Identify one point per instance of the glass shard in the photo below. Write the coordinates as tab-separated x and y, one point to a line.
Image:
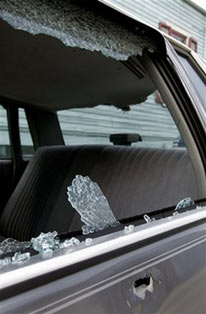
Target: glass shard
13	251
5	261
88	241
128	229
87	229
175	213
186	202
89	201
20	258
45	243
12	246
75	26
70	243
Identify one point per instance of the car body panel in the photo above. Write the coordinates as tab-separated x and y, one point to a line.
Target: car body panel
108	286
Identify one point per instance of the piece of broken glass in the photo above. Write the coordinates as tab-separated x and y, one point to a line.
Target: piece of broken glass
12	251
128	229
75	25
12	246
20	258
88	241
5	261
87	229
70	243
45	242
175	213
186	202
90	202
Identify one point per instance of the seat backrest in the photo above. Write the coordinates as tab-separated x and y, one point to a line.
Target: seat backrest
134	180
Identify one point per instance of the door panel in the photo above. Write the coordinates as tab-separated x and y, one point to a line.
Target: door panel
179	282
175	263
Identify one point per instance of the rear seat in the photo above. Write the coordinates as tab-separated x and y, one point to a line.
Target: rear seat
134	180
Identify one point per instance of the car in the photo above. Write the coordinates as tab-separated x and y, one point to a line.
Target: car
100	212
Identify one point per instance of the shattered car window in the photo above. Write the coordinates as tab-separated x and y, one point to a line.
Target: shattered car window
74	26
87	198
90	202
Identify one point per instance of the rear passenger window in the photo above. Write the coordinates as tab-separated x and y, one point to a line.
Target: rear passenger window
26	140
5	149
149	119
25	136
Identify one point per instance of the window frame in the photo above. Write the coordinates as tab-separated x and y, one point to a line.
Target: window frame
171	80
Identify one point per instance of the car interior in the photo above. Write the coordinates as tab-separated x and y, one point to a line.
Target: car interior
44	77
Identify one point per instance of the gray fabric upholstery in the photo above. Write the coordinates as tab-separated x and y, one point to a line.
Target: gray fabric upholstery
134	180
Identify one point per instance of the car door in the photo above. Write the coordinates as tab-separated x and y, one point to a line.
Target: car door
153	269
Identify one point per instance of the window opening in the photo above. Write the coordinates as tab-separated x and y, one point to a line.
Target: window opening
25	136
5	148
99	125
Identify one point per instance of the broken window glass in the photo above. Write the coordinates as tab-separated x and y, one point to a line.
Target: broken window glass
88	241
20	257
75	26
12	246
87	198
45	243
128	229
90	202
69	243
186	202
14	252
